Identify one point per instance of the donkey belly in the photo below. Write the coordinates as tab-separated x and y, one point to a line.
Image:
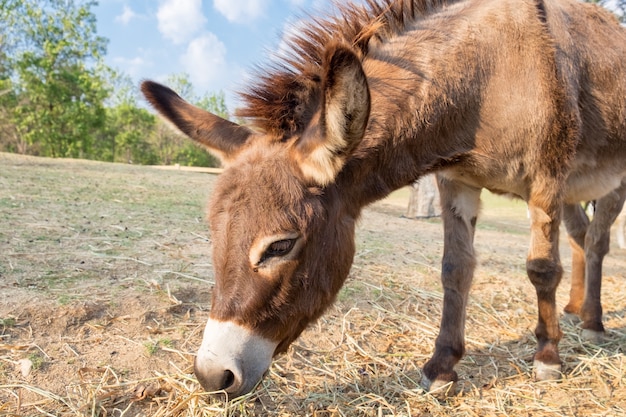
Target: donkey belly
591	181
502	179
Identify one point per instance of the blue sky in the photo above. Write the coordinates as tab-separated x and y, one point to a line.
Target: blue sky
216	42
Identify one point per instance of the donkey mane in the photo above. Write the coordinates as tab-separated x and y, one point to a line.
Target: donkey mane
276	101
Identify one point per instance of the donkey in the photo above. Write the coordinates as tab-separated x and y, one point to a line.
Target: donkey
522	97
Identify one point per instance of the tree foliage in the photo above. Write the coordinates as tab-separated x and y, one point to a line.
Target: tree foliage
57	98
128	125
54	73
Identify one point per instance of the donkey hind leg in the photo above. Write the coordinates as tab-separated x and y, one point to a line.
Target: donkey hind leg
544	271
596	246
460	205
621	222
576	223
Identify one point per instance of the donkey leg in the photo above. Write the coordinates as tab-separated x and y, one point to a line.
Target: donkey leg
459	204
576	223
621	222
596	247
544	270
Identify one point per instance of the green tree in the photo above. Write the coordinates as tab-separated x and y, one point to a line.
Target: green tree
54	59
215	103
9	139
134	126
128	126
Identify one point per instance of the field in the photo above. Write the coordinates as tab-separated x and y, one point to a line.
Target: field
105	281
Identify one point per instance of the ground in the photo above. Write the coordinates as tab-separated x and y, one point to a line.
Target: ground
105	283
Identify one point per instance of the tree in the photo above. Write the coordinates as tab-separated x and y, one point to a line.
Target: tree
9	139
128	127
54	63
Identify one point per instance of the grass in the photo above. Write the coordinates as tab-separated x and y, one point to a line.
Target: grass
7	322
105	279
37	360
78	220
152	347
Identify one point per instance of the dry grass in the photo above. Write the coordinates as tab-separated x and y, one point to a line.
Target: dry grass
124	346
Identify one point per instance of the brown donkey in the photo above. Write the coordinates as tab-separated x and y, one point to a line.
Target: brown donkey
522	97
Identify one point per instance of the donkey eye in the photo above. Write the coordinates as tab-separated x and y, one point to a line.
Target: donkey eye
278	248
282	245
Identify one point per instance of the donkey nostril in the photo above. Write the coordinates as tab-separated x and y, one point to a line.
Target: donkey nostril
228	379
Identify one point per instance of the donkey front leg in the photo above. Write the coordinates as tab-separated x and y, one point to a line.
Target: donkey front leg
544	270
459	204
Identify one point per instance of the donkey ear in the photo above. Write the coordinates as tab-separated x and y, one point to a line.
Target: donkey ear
222	137
343	119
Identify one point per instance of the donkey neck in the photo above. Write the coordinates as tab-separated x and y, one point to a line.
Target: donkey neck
425	89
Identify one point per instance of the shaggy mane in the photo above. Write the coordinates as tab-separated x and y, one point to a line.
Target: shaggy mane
275	102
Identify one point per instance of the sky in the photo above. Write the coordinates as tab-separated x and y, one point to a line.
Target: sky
216	42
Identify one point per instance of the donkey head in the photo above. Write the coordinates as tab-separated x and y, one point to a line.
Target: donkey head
283	238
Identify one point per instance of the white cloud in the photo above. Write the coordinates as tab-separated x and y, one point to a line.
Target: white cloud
205	62
180	20
127	15
241	11
134	67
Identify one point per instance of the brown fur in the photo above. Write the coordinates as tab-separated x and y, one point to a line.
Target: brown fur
523	97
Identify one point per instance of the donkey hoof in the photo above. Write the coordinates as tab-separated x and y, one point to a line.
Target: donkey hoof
547	371
571	318
593	336
439	388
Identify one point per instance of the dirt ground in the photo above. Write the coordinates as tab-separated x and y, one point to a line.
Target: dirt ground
105	281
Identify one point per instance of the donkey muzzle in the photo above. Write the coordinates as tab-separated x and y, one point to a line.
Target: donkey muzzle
232	358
